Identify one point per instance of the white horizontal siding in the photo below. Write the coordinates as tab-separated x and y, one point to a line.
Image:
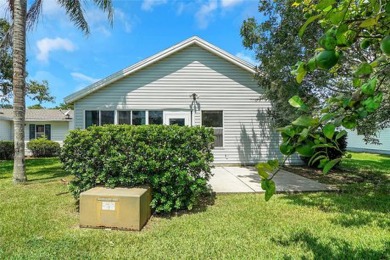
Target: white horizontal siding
59	130
5	130
356	142
220	85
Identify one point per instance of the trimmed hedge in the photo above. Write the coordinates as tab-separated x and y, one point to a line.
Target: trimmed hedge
41	147
6	150
173	160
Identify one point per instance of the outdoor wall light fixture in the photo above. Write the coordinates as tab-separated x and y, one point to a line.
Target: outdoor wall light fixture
194	96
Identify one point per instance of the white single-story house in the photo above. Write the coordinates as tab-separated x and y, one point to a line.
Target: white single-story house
357	144
192	83
54	124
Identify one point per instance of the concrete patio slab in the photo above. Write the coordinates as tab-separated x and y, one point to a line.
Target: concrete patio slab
246	180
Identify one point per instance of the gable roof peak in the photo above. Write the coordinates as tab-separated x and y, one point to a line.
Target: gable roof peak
157	57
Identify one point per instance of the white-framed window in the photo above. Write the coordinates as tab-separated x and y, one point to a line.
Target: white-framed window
138	117
155	118
39	130
214	119
128	117
99	117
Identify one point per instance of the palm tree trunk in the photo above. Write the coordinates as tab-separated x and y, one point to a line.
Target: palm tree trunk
19	87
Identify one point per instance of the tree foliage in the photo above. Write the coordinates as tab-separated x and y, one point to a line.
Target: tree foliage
35	90
279	47
22	20
351	28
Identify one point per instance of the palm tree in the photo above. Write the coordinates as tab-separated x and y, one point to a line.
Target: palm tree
21	21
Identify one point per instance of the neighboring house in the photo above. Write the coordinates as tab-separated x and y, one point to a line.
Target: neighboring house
357	144
54	124
192	83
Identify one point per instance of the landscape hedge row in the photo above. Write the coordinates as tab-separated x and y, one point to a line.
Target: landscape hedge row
173	160
41	147
6	150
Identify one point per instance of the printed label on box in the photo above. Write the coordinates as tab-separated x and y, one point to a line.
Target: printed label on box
108	205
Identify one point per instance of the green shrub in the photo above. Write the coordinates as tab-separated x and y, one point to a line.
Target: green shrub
333	153
174	161
6	150
41	147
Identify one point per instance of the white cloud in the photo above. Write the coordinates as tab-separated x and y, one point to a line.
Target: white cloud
47	45
52	8
230	3
125	21
205	13
247	58
147	5
82	77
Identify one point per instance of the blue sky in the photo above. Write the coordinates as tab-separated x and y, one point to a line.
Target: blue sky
60	53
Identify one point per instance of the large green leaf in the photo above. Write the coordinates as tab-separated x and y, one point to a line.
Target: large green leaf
323	162
369	87
363	69
299	71
269	187
341	134
305	121
305	150
324	4
349	122
337	16
296	101
369	22
373	103
303	135
286	149
317	156
300	76
328	130
308	21
329	165
288	130
274	164
323	146
327	117
263	169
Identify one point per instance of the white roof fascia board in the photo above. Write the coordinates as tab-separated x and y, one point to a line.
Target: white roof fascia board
155	58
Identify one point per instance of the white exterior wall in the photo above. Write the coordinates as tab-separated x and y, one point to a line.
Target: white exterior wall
5	130
220	85
356	143
59	130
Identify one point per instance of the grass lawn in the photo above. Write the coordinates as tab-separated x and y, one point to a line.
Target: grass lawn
40	220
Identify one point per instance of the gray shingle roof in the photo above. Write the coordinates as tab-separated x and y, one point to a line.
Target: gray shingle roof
38	115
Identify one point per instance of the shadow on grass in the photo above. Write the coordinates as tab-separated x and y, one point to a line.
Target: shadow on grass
207	199
38	170
6	168
353	209
337	249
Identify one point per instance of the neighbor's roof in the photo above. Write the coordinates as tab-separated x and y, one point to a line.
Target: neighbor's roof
38	114
157	57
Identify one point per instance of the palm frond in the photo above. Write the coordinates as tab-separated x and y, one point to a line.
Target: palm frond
75	11
106	6
11	8
33	14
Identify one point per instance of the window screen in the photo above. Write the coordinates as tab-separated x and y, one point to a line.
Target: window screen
91	118
138	118
124	117
107	117
155	117
214	119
